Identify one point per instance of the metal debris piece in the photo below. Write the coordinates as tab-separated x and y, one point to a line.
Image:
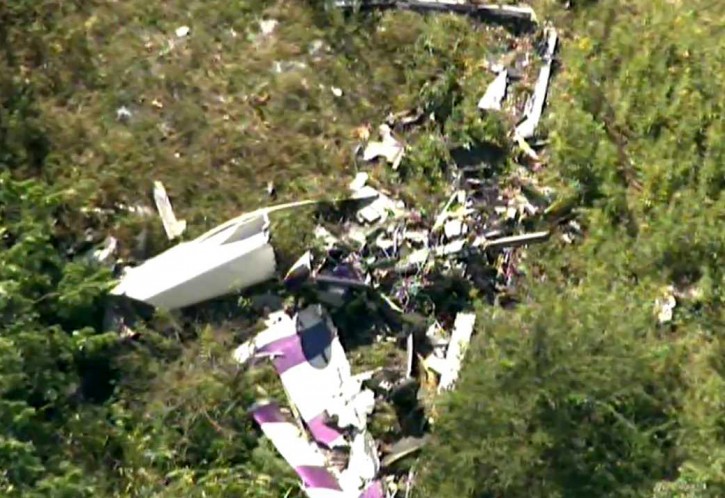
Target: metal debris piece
173	227
460	337
315	373
535	106
495	93
230	257
389	148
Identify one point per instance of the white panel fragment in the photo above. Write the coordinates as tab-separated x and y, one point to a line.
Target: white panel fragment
461	336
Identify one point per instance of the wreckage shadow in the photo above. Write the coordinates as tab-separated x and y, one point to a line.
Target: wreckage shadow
484	157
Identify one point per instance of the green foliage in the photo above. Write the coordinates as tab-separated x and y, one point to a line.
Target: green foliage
579	392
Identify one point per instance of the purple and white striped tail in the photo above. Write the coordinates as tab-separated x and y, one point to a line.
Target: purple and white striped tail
305	457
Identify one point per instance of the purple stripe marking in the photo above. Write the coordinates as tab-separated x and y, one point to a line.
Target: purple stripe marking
323	433
307	345
317	477
268	414
289	351
375	490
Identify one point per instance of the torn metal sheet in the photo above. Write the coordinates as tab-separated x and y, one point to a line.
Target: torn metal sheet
388	147
535	106
495	93
173	227
460	337
230	257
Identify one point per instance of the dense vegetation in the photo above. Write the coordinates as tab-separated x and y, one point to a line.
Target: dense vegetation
577	392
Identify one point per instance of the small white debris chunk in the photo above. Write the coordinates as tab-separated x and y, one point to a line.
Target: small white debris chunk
182	31
123	113
267	26
495	93
388	147
665	305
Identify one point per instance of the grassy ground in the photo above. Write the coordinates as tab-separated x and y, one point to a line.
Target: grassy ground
220	113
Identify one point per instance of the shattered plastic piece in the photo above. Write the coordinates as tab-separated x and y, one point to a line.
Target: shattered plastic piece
173	227
389	148
495	93
665	305
535	106
460	337
230	257
182	31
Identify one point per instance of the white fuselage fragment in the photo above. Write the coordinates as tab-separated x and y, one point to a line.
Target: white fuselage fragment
230	257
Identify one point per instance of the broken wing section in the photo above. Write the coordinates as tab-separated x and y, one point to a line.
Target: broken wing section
231	257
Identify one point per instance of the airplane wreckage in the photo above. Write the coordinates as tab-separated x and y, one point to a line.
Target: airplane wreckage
385	254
